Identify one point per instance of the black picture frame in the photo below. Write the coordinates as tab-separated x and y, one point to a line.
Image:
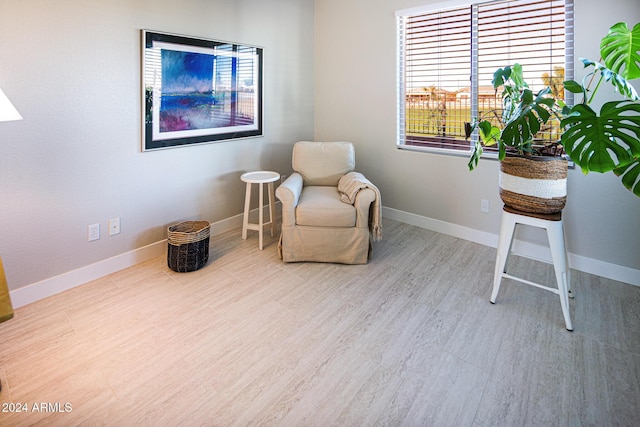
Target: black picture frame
197	91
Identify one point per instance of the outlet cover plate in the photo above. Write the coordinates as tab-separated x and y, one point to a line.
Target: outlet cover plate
114	226
93	232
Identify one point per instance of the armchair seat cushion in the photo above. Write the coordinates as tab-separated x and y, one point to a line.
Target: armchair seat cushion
321	206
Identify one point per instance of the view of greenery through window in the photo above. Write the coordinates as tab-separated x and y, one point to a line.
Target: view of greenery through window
433	113
438	49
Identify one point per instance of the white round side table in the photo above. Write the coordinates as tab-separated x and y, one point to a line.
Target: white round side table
260	178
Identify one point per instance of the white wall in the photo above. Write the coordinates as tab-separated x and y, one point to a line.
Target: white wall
355	100
72	68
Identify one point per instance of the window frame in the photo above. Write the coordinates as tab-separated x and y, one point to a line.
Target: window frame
401	85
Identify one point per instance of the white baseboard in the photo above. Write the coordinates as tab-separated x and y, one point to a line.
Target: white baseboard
71	279
54	285
531	250
459	231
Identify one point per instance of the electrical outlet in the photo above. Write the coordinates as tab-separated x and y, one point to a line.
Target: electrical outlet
282	178
114	226
484	206
93	232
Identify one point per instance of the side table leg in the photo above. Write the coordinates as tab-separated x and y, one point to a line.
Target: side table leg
261	215
272	204
247	206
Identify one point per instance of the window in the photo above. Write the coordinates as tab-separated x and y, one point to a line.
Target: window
447	57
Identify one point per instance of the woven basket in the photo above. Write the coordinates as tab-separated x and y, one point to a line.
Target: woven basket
188	245
534	184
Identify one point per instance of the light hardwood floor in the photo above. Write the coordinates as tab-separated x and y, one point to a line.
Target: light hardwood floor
409	339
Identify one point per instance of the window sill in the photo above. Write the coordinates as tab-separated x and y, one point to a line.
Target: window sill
455	153
445	151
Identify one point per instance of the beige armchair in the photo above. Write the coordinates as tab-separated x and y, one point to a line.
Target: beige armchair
319	222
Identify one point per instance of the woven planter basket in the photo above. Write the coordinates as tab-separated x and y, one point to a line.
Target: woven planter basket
188	245
534	184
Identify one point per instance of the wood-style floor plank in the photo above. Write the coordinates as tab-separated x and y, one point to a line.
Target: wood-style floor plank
408	339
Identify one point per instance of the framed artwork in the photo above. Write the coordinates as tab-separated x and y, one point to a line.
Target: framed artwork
198	90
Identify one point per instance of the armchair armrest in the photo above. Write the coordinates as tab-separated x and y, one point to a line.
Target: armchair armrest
365	197
289	193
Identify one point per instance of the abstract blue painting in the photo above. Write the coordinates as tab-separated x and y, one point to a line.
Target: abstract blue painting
187	91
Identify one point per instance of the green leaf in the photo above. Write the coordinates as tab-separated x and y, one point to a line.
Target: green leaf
630	176
489	133
573	86
620	83
484	127
501	76
620	50
517	76
527	96
526	118
516	133
534	124
475	156
606	142
561	104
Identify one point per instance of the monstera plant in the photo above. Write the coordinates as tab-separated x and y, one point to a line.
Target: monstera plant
523	114
608	140
603	141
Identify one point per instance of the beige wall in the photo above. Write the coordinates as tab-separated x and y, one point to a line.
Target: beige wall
72	68
355	100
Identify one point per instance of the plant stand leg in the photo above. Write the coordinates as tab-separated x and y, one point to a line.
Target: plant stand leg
507	228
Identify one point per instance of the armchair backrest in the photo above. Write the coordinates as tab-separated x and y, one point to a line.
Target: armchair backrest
323	163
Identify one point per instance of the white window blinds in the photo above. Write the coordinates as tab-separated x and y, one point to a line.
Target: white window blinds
447	59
